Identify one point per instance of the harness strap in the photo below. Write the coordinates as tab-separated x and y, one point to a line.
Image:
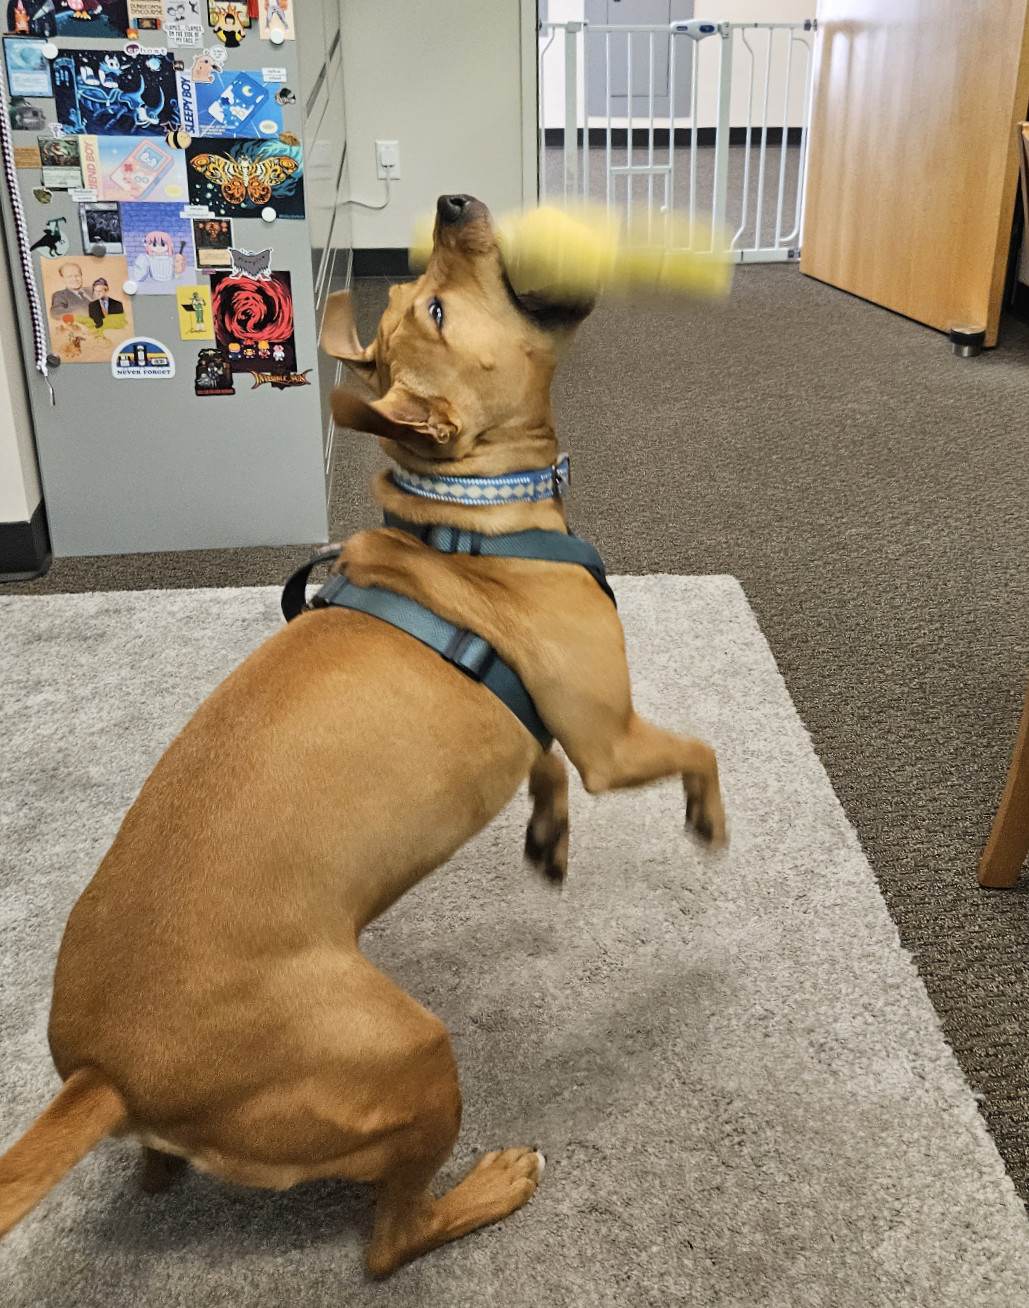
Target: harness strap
464	649
552	546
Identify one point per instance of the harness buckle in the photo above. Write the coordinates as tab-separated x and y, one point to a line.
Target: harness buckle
471	654
562	475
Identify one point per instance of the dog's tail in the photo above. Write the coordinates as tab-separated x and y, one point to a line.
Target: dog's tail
85	1110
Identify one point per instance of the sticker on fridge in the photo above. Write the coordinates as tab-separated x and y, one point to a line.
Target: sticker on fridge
183	34
110	93
196	322
54	241
253	322
212	241
184	11
230	20
104	19
28	68
213	375
142	359
236	179
25	116
276	15
101	225
132	168
280	381
158	247
86	311
60	162
146	15
207	63
230	102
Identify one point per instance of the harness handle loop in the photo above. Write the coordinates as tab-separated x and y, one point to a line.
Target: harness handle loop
294	594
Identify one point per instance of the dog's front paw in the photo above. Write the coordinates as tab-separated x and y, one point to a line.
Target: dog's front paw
546	848
707	825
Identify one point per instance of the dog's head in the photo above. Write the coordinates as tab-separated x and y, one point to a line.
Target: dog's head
460	361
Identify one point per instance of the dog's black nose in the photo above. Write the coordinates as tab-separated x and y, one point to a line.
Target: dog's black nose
452	209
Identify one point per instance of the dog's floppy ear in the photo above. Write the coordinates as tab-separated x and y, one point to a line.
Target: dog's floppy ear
398	416
339	336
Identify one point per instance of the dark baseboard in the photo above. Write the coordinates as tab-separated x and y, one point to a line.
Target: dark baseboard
25	548
386	262
554	137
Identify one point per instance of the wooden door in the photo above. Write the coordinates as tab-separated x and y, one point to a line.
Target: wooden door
913	163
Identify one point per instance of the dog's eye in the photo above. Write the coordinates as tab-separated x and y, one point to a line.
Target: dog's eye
436	312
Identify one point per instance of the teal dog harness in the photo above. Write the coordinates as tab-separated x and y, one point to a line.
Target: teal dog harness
466	650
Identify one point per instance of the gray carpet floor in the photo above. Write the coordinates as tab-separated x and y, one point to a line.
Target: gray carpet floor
740	1084
870	492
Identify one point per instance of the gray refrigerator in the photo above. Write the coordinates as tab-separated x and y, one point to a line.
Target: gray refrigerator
172	217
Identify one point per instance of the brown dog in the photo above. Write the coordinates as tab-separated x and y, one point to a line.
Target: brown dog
210	996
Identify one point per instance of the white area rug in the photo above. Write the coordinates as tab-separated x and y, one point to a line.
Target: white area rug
732	1066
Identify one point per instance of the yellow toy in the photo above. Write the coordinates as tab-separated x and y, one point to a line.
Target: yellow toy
576	252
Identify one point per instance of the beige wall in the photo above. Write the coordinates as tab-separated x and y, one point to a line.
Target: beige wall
19	481
445	81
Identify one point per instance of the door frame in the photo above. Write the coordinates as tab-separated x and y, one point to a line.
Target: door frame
529	57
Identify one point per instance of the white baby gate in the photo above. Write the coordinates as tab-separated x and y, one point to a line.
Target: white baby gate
706	118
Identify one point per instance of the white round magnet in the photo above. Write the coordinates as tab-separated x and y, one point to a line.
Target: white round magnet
276	36
50	51
268	214
130	287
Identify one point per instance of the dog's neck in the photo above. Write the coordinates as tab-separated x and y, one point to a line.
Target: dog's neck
498	459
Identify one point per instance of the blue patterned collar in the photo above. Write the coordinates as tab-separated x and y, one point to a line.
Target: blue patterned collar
512	488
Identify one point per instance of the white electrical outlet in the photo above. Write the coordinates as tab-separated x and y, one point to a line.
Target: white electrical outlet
387	159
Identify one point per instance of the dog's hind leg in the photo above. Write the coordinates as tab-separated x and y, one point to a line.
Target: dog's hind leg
409	1221
546	838
644	752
